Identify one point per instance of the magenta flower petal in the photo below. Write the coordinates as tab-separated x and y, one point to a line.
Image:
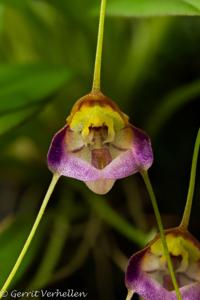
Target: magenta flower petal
138	157
64	163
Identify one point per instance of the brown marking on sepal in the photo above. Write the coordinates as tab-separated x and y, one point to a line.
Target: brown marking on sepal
93	99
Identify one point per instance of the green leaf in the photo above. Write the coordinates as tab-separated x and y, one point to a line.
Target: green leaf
14	119
174	101
148	8
12	238
25	85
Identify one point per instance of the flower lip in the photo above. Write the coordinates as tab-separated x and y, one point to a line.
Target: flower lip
147	273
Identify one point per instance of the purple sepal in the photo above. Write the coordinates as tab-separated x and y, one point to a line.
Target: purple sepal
141	283
138	157
56	150
66	163
143	149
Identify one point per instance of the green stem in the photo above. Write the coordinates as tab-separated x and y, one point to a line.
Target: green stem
31	234
187	211
161	230
55	246
97	66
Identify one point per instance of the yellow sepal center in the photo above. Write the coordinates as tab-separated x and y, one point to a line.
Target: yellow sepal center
178	246
89	117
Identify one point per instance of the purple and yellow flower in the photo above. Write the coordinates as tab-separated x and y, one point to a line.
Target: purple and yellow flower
98	145
147	273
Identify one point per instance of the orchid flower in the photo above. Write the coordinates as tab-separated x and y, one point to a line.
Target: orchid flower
98	145
148	275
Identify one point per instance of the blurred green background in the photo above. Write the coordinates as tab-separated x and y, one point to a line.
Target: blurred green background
151	68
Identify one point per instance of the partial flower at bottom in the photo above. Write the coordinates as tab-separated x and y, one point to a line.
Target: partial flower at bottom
147	273
98	145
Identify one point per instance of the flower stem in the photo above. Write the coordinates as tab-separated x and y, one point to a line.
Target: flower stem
161	230
129	295
187	211
97	66
31	234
